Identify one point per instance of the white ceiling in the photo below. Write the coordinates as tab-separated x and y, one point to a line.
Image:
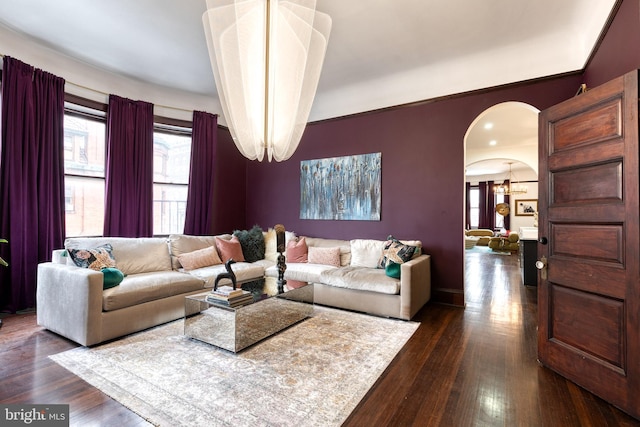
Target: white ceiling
381	52
499	133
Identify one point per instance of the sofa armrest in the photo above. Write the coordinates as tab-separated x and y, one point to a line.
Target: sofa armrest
415	285
69	301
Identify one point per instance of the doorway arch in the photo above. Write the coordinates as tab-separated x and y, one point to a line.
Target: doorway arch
503	134
513	126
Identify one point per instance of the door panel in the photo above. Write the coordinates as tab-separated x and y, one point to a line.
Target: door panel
574	240
586	185
601	123
595	329
588	300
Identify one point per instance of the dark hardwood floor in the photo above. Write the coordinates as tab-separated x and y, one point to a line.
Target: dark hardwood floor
463	367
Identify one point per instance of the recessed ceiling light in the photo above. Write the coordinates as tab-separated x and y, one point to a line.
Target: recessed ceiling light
488	125
493	142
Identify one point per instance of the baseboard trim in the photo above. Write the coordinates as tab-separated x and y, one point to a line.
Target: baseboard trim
454	297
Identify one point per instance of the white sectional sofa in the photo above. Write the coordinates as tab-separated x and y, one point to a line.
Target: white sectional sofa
72	301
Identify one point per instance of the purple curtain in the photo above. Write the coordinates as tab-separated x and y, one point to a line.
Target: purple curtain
487	205
491	206
32	178
199	212
129	173
507	219
483	221
467	208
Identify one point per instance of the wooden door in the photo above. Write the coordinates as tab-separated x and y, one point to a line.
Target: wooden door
588	294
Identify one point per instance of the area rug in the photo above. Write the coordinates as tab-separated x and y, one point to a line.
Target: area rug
311	374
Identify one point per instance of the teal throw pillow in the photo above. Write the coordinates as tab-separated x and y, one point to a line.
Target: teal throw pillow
112	277
392	269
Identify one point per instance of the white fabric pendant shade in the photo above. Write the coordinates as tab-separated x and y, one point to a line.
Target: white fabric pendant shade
236	37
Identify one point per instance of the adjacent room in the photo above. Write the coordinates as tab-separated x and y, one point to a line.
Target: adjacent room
320	213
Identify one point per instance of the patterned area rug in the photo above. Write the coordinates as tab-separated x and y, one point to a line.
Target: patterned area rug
311	374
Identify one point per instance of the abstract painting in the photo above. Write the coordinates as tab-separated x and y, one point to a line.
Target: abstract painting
341	188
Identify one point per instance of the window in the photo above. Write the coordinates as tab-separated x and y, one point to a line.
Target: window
499	218
85	164
171	162
474	204
84	168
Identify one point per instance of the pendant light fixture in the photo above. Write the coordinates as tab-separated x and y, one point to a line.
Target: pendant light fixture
510	188
266	57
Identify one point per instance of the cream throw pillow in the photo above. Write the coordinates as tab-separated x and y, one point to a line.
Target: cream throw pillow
366	252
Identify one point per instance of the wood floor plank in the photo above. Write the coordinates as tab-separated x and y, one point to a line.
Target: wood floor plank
475	366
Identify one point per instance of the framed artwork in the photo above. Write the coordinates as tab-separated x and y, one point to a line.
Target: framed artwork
526	207
341	188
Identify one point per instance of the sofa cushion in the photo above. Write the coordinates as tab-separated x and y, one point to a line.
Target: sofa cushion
94	258
144	287
479	232
302	272
252	243
200	258
183	243
244	271
297	251
230	249
133	256
366	252
361	278
326	256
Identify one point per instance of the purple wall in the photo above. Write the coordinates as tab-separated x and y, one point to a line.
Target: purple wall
229	178
422	162
619	51
422	173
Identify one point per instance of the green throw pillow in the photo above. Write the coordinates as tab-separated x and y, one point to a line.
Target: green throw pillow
112	277
252	243
392	269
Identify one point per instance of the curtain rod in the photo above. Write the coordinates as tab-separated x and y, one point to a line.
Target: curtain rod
107	94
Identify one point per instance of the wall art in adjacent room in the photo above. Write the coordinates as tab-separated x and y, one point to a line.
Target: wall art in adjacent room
341	188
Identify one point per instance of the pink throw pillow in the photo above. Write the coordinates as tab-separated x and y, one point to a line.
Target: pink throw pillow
297	251
200	258
326	256
229	249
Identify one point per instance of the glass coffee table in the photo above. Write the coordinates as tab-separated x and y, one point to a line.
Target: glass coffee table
237	328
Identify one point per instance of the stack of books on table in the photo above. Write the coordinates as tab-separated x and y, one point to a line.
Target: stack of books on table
229	297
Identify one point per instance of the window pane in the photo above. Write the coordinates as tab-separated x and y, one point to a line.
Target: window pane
171	162
84	166
84	206
474	203
171	158
499	218
169	207
84	146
